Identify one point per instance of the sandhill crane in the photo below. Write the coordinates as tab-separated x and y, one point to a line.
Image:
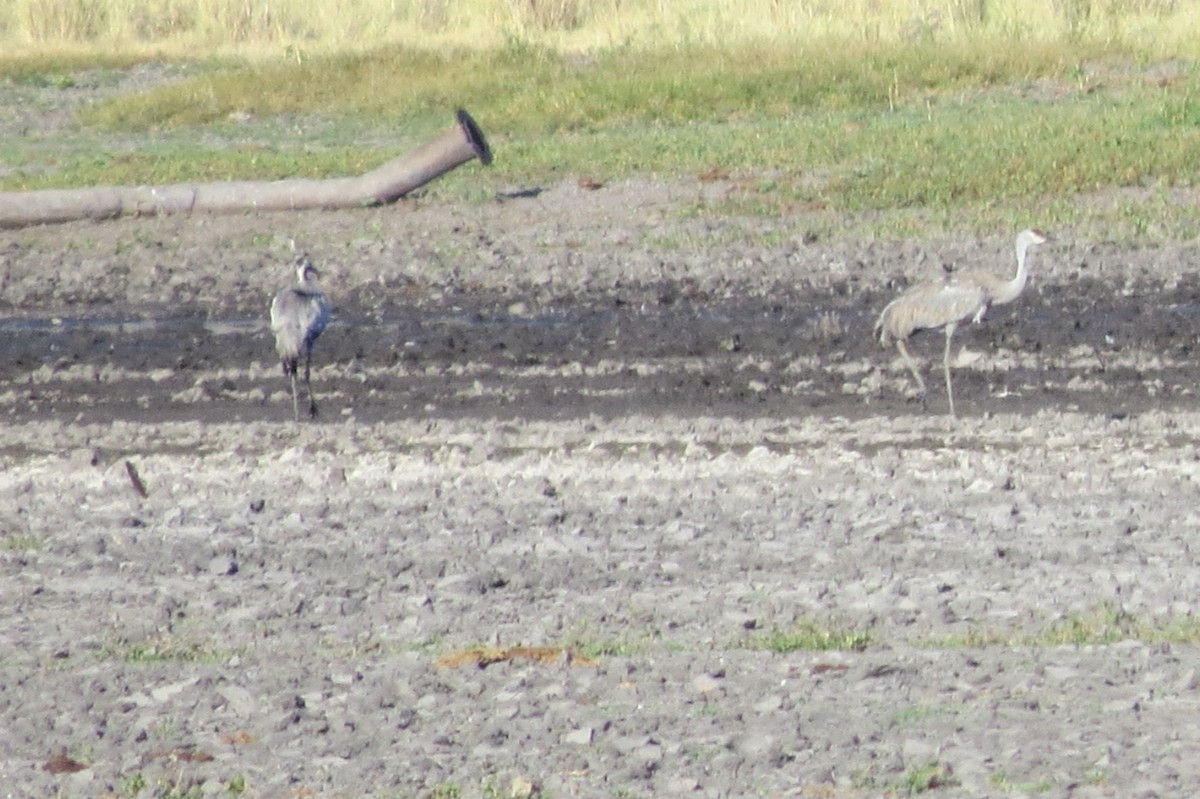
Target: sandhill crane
933	305
298	315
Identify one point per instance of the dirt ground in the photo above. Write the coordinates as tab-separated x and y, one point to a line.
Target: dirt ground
643	442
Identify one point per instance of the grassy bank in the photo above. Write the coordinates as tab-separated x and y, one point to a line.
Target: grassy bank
962	120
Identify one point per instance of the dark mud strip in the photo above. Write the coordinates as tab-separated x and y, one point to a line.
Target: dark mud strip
684	357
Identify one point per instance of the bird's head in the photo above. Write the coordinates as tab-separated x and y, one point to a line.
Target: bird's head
1032	236
305	269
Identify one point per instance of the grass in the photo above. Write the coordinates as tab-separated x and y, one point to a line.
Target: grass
164	649
21	542
809	636
1001	147
1100	626
572	25
530	90
927	777
1103	625
136	785
1003	782
917	714
963	123
446	790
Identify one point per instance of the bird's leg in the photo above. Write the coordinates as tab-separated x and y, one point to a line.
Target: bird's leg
912	366
295	401
946	366
312	402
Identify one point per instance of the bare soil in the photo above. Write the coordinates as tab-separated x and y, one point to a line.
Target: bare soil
650	441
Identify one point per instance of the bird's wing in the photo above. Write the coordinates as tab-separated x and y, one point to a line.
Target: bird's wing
319	313
927	306
956	301
303	309
978	279
297	318
280	308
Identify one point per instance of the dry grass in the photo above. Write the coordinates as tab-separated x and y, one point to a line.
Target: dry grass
484	656
258	28
827	326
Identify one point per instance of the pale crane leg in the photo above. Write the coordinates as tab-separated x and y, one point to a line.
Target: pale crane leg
295	401
312	402
912	366
946	366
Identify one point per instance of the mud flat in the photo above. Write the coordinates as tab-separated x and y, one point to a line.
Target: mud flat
672	474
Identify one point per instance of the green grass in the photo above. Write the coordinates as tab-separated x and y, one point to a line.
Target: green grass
57	67
1003	782
1101	626
21	542
531	90
927	777
918	713
810	636
164	649
176	787
446	790
930	133
597	649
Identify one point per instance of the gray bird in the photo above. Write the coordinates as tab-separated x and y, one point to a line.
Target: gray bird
298	315
963	295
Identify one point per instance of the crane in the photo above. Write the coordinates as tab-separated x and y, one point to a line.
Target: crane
967	295
298	315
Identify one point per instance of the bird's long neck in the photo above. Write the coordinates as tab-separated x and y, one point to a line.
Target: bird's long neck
1007	292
